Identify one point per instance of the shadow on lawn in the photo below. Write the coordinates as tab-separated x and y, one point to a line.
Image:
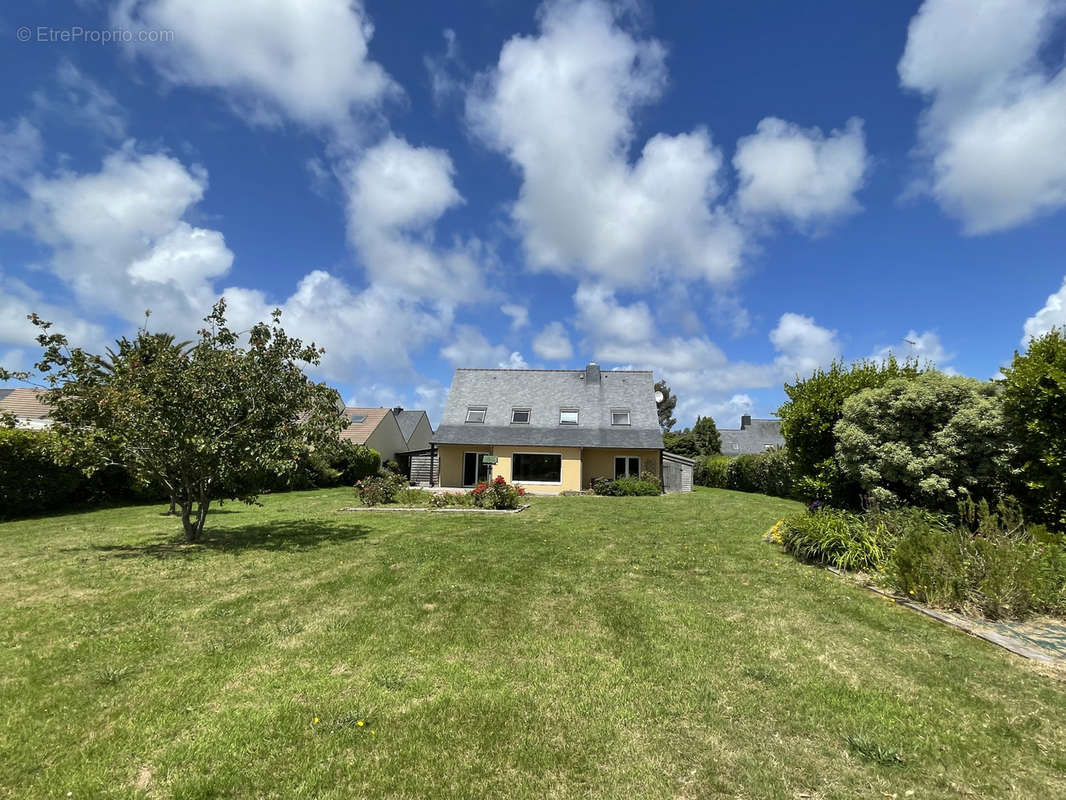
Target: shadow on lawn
284	536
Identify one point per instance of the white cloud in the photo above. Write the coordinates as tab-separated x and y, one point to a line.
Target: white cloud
995	127
553	343
604	319
800	174
727	413
446	70
78	99
926	347
519	315
396	192
561	105
468	347
21	148
18	300
308	59
1052	315
803	345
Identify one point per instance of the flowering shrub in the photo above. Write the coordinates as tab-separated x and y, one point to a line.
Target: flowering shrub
499	494
380	488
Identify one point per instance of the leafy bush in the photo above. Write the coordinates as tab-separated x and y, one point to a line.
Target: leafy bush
926	441
766	473
992	563
355	462
839	538
1034	406
653	479
814	407
626	487
499	494
710	471
379	489
392	466
30	480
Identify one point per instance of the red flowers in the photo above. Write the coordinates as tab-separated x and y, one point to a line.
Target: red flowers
499	480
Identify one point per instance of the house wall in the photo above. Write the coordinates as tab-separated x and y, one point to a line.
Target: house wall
421	435
600	463
387	438
579	466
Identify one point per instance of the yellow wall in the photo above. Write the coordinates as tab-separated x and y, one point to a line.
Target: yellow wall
600	463
575	474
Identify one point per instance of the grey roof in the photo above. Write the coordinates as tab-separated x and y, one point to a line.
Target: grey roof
408	421
753	436
545	392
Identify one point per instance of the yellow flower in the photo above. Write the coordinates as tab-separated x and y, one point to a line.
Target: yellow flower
360	723
314	720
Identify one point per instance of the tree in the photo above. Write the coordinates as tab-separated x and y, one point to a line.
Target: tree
929	441
682	443
665	407
1034	403
706	437
814	406
212	422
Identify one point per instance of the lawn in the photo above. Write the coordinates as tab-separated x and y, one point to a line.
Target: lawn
587	647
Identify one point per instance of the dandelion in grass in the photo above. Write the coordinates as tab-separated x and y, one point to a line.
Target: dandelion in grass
359	723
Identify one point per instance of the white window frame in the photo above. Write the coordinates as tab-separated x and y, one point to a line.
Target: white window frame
575	411
529	415
473	410
537	483
628	473
629	417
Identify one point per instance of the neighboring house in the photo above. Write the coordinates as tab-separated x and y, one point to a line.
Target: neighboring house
376	428
551	430
754	436
26	406
415	427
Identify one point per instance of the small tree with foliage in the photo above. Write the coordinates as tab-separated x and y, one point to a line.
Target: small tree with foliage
813	408
928	441
1034	403
211	422
666	407
706	437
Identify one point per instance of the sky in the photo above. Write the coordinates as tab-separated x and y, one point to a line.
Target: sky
728	194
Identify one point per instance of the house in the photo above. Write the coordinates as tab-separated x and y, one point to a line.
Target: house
415	427
753	436
376	428
27	408
550	430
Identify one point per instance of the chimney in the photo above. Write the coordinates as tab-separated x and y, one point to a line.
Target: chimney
592	373
745	421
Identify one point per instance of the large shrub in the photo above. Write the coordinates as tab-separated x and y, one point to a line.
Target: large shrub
813	408
1034	405
626	487
710	471
769	472
354	462
928	440
30	480
702	440
379	489
497	494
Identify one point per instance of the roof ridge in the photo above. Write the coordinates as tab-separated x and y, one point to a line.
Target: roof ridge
575	371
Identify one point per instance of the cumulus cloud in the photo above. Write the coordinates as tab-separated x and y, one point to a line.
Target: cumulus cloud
553	343
1052	315
603	318
307	60
802	345
21	148
800	174
519	315
994	130
469	348
926	347
561	105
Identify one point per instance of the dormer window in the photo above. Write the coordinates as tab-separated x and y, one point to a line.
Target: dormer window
476	413
520	416
568	416
620	416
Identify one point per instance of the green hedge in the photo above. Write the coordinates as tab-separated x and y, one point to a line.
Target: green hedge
766	473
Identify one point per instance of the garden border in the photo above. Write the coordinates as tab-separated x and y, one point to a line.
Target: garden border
440	510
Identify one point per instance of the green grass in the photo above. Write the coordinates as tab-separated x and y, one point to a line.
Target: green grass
587	647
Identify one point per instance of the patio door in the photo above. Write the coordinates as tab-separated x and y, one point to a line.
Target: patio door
474	472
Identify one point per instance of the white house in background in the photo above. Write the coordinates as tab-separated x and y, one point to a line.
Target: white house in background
26	406
376	428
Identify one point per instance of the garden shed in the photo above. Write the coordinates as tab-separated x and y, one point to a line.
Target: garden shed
677	473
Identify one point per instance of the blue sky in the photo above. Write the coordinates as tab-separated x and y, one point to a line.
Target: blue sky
728	194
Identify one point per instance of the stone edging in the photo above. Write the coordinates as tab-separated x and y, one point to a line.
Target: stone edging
972	627
444	510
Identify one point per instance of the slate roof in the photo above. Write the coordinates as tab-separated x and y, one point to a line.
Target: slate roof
545	392
408	421
359	432
753	436
24	403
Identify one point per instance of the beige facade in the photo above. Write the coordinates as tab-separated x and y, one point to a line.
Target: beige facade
579	465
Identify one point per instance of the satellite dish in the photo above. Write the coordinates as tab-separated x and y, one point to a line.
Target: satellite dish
658	397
